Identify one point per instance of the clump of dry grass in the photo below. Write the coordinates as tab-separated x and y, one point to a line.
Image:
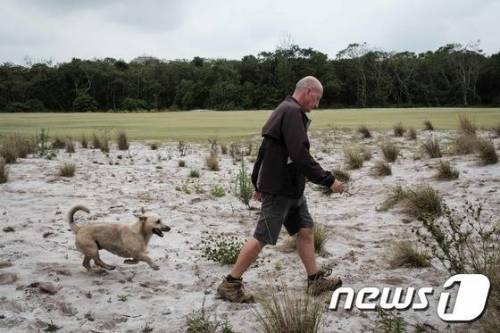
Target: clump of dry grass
399	129
96	141
421	202
381	169
428	125
404	254
487	152
411	133
446	171
465	144
181	163
287	312
366	153
321	235
364	131
390	151
122	140
353	158
431	147
70	146
466	125
67	170
58	143
223	148
16	146
213	161
496	130
83	141
4	171
153	146
341	175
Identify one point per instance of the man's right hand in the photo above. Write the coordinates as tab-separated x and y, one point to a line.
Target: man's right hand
337	187
257	196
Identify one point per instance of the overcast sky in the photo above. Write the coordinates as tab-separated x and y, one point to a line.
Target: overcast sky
63	29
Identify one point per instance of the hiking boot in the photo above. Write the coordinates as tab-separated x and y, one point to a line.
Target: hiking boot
321	283
232	291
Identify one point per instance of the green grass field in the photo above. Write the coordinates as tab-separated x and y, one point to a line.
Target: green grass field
200	125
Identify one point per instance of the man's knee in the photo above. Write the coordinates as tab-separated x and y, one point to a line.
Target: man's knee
305	234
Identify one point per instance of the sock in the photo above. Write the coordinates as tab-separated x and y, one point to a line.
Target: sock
230	278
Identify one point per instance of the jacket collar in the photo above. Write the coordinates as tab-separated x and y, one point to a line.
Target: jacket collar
293	100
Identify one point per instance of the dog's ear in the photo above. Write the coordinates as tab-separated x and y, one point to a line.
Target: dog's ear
143	218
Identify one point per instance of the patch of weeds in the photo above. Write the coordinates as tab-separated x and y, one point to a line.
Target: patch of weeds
221	248
153	146
51	327
96	141
122	298
243	188
193	173
404	254
58	143
486	151
9	229
218	191
70	146
428	125
364	131
366	153
199	189
67	170
390	151
122	140
353	158
431	148
446	171
4	171
465	144
411	133
421	202
213	161
181	163
83	141
182	148
381	169
200	322
89	316
398	129
321	235
496	130
223	149
466	125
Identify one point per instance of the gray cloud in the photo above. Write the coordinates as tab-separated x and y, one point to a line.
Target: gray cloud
221	28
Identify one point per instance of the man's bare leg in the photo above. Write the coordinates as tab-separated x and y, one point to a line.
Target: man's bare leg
305	248
247	256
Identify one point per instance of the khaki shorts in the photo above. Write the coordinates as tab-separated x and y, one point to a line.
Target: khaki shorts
278	210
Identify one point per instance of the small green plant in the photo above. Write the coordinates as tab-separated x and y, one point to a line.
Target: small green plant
428	125
70	146
364	131
446	171
381	169
431	147
42	141
221	248
398	129
404	254
153	146
411	133
51	327
83	141
199	189
9	229
122	297
67	170
496	130
213	161
193	173
182	148
390	322
147	328
122	140
243	188
58	143
4	171
466	125
181	163
96	141
89	316
218	191
487	152
353	158
390	151
105	143
235	152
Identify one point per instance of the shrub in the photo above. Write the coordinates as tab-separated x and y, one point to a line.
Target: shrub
320	238
487	152
406	255
428	125
70	146
213	161
390	151
105	143
181	163
364	131
218	191
83	141
341	175
84	102
446	171
287	312
465	144
353	158
431	147
399	129
221	248
390	322
411	133
67	170
243	187
193	173
4	172
122	140
381	168
466	126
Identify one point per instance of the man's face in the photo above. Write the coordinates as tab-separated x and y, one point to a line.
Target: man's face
312	98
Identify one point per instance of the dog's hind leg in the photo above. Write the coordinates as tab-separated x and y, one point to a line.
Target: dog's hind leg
101	263
147	259
86	263
131	261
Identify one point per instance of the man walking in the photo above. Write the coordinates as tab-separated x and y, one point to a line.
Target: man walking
279	175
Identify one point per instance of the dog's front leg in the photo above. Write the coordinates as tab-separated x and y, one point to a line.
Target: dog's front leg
147	259
131	261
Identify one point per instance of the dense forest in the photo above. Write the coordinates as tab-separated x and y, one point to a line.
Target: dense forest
453	75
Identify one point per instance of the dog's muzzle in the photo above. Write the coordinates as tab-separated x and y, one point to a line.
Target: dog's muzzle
159	232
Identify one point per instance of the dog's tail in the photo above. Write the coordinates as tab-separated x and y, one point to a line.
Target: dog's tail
70	215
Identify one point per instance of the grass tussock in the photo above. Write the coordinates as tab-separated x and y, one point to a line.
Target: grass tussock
364	131
428	125
16	146
70	146
432	148
213	161
390	322
201	322
466	126
486	151
398	129
353	158
84	142
381	169
390	151
4	171
242	185
341	175
104	143
122	140
193	173
496	130
321	235
153	146
366	153
58	143
465	144
96	141
181	163
67	170
420	202
411	133
446	172
287	312
404	254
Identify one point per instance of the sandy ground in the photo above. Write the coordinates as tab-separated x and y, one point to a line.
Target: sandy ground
41	249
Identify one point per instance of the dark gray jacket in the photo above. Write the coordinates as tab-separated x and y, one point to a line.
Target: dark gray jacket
284	161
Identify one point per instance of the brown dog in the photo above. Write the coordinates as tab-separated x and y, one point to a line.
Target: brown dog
128	241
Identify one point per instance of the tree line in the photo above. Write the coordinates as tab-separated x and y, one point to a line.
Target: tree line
359	76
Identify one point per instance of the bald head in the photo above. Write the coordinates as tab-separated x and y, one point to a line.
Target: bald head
308	92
